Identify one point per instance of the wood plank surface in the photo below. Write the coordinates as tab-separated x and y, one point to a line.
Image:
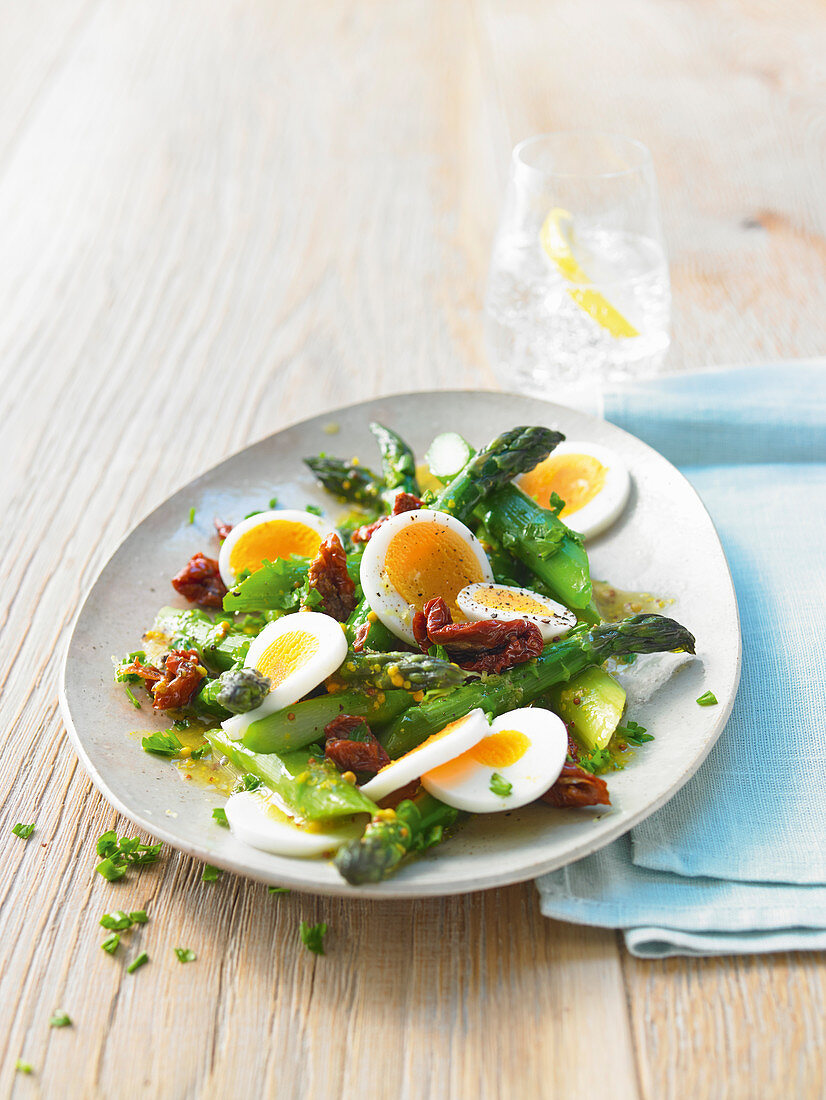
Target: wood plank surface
217	218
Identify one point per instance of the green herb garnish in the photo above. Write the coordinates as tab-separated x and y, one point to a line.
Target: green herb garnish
23	831
110	870
138	962
633	733
200	752
274	502
312	936
111	943
162	743
130	695
23	1067
118	921
210	873
314	510
499	785
220	815
60	1019
599	760
185	954
708	699
192	514
118	855
249	782
139	916
278	889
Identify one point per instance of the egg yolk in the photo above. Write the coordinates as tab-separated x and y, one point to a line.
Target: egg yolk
501	599
268	541
500	750
425	560
575	478
286	655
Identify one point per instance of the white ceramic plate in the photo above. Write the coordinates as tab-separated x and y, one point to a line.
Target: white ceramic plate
665	543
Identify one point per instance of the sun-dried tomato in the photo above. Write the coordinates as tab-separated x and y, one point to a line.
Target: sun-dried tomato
148	673
182	676
350	753
200	582
361	637
404	502
391	801
576	787
222	529
491	645
329	577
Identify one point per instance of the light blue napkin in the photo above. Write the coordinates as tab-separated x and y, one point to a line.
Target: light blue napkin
736	862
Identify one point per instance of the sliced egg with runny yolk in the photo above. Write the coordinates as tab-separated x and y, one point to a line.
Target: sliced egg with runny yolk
414	557
590	478
507	603
296	653
519	759
267	537
453	740
256	820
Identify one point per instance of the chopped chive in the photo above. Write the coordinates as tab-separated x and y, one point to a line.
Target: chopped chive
107	843
60	1019
278	889
117	921
163	743
111	943
249	515
312	936
210	873
314	510
499	785
137	962
23	1067
708	699
185	954
192	514
139	916
110	870
220	815
274	502
23	831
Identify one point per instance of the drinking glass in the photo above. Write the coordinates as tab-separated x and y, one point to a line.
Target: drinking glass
578	290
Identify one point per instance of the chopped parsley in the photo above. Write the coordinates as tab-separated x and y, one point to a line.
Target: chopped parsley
162	743
312	936
23	1067
708	699
111	943
633	733
200	752
185	954
278	889
249	782
192	514
314	510
110	870
60	1019
139	916
210	873
274	502
220	815
600	760
499	785
120	854
137	962
23	831
118	921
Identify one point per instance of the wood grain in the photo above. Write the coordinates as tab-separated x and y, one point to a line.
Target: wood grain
221	217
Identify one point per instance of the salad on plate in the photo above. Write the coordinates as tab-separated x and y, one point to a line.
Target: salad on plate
358	681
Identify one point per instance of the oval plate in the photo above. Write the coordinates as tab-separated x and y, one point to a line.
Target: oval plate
664	543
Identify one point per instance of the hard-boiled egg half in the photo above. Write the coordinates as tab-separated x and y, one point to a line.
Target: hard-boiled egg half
453	740
268	536
488	600
414	557
519	759
590	478
296	652
255	819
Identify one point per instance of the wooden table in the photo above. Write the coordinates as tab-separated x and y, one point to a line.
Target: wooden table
217	217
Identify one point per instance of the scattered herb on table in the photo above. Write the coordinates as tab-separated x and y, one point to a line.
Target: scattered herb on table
185	954
60	1019
111	943
312	936
120	854
137	962
278	889
23	831
210	873
118	921
23	1067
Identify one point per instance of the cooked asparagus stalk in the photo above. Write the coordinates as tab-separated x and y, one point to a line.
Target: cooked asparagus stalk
219	645
521	685
415	824
411	671
348	481
397	460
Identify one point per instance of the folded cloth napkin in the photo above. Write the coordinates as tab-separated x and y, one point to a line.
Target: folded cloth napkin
735	862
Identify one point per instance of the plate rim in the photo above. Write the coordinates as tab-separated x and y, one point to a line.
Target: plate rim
391	889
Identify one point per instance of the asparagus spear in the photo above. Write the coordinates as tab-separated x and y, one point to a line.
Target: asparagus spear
415	825
219	644
348	481
398	463
521	685
412	671
540	540
310	787
300	725
511	453
235	691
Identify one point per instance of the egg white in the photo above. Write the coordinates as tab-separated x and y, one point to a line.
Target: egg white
455	739
387	602
465	783
254	819
290	515
607	506
556	621
328	656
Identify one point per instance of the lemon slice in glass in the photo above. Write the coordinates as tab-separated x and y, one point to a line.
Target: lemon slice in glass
557	237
